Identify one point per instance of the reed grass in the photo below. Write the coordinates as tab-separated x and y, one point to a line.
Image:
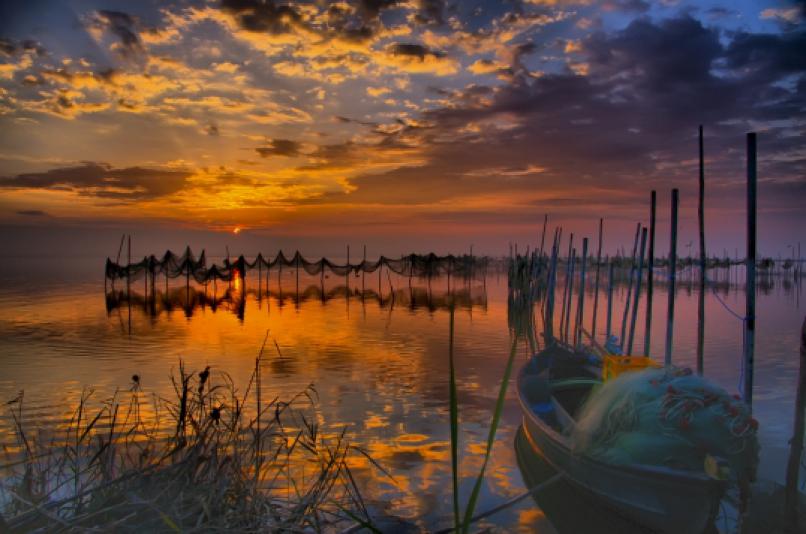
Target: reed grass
226	464
526	283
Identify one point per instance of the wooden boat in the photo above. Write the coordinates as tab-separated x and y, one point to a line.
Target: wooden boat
561	501
551	389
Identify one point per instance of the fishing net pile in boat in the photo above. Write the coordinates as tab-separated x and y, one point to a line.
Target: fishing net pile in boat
667	417
187	265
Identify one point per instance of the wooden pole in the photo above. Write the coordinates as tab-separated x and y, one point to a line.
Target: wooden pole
650	281
128	267
450	264
570	294
363	270
701	303
187	277
543	238
322	279
580	315
145	279
791	494
750	312
567	280
549	323
469	274
117	259
629	287
128	285
672	279
596	281
281	261
609	323
638	282
152	264
242	272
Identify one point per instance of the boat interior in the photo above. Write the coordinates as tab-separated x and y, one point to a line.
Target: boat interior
556	384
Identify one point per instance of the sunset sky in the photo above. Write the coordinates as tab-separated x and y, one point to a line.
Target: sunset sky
407	125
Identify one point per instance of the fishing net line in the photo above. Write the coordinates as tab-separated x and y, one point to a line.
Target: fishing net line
667	417
173	265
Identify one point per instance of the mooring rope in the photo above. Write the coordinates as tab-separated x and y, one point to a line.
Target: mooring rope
515	500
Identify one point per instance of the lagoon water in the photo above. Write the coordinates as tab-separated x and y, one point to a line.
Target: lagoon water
379	364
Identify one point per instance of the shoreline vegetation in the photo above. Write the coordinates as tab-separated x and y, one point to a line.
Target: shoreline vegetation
207	459
220	467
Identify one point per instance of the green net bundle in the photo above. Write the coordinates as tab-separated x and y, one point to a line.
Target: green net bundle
667	417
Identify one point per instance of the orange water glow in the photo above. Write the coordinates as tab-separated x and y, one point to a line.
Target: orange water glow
379	368
237	280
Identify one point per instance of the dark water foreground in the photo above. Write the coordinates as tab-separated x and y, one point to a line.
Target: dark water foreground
378	359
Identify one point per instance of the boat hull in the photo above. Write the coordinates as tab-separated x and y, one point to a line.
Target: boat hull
662	499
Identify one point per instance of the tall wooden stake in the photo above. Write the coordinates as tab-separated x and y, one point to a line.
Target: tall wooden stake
549	323
796	444
128	267
609	323
596	281
543	238
672	279
638	281
701	303
570	293
650	281
567	281
128	284
627	302
580	315
750	312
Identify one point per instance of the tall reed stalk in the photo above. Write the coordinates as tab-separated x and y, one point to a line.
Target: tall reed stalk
463	526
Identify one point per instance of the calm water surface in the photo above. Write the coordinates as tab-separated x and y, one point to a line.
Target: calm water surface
380	365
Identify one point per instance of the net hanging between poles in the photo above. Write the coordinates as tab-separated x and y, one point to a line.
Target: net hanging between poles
189	266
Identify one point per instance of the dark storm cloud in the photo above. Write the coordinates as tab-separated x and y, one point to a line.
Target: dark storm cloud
263	16
769	56
430	12
413	50
357	23
348	120
280	147
635	114
103	181
122	25
338	155
370	9
9	47
676	53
